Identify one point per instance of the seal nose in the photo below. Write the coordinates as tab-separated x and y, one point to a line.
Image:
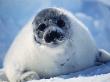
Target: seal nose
53	36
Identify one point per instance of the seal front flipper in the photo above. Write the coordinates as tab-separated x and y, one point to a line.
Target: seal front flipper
29	76
102	57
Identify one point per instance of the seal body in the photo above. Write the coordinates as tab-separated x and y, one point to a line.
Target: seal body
32	57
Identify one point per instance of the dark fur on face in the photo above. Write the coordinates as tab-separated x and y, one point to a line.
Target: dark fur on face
51	26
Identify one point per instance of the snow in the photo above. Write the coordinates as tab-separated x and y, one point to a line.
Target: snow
101	78
99	73
94	74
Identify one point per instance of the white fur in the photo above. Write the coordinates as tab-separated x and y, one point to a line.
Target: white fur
77	53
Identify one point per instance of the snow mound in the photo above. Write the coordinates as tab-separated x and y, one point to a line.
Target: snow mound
99	78
94	74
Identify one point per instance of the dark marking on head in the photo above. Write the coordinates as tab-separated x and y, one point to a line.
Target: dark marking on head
36	40
61	23
51	26
41	27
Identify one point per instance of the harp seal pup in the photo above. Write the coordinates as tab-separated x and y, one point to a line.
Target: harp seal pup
54	43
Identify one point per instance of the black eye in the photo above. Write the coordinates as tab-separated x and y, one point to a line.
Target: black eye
60	23
42	27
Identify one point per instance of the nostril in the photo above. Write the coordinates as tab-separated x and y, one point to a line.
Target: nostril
52	36
47	38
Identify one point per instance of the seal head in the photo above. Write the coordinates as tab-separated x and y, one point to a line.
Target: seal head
51	27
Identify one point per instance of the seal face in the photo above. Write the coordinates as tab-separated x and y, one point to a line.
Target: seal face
51	27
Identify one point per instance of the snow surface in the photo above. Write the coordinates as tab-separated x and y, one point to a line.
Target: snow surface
100	78
99	73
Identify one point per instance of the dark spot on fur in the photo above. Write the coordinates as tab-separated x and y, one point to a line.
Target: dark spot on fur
68	59
65	62
25	70
62	64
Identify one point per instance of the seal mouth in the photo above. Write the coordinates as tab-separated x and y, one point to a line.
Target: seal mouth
54	36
